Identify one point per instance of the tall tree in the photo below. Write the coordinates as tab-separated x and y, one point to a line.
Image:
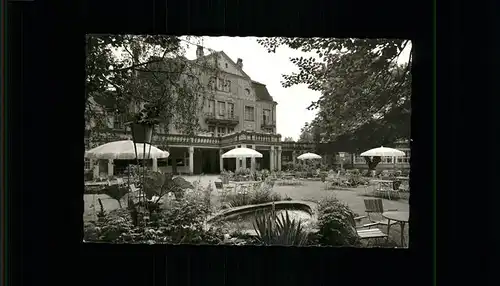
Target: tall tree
127	72
311	132
365	94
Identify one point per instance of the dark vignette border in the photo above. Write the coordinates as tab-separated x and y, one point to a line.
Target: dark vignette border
47	196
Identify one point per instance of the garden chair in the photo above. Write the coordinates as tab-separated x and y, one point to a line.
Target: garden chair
221	189
370	233
135	192
375	207
340	181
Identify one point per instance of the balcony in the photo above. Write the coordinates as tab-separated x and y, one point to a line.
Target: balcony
268	124
225	119
181	140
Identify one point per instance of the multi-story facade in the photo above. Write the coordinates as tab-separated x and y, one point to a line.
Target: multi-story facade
241	113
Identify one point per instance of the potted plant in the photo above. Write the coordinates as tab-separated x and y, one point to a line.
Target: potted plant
143	122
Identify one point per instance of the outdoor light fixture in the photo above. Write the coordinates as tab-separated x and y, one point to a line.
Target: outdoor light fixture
341	155
142	133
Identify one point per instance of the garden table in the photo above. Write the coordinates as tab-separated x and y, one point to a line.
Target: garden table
401	218
405	181
385	186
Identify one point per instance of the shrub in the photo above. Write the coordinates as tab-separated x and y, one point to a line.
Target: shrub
279	230
287	166
117	193
263	194
88	175
290	183
182	221
237	200
265	173
242	172
336	224
354	180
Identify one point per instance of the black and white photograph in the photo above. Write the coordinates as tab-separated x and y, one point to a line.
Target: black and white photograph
247	141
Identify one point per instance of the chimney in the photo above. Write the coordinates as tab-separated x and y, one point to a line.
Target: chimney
239	63
199	52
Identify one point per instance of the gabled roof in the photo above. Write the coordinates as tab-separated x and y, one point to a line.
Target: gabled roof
233	63
222	54
261	91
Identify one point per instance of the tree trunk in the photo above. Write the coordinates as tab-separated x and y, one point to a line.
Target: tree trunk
372	162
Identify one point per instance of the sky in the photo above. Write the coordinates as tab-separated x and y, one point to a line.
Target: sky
268	68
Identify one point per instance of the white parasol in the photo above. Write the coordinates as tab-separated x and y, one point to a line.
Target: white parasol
124	150
309	156
242	153
383	152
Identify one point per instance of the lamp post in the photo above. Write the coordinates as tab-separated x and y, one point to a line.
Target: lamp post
142	133
341	155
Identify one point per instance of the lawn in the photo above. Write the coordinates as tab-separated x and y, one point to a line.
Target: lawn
309	191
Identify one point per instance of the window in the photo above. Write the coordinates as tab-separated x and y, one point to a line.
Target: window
211	106
266	116
222	108
226	65
221	131
87	164
230	110
221	84
212	83
211	129
247	91
249	113
227	86
230	130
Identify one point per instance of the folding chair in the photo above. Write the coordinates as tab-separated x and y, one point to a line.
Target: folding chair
223	191
376	207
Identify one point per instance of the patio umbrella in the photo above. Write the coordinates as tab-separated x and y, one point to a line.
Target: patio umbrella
309	156
242	153
384	152
124	150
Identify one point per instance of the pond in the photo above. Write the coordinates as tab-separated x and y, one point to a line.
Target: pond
245	221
